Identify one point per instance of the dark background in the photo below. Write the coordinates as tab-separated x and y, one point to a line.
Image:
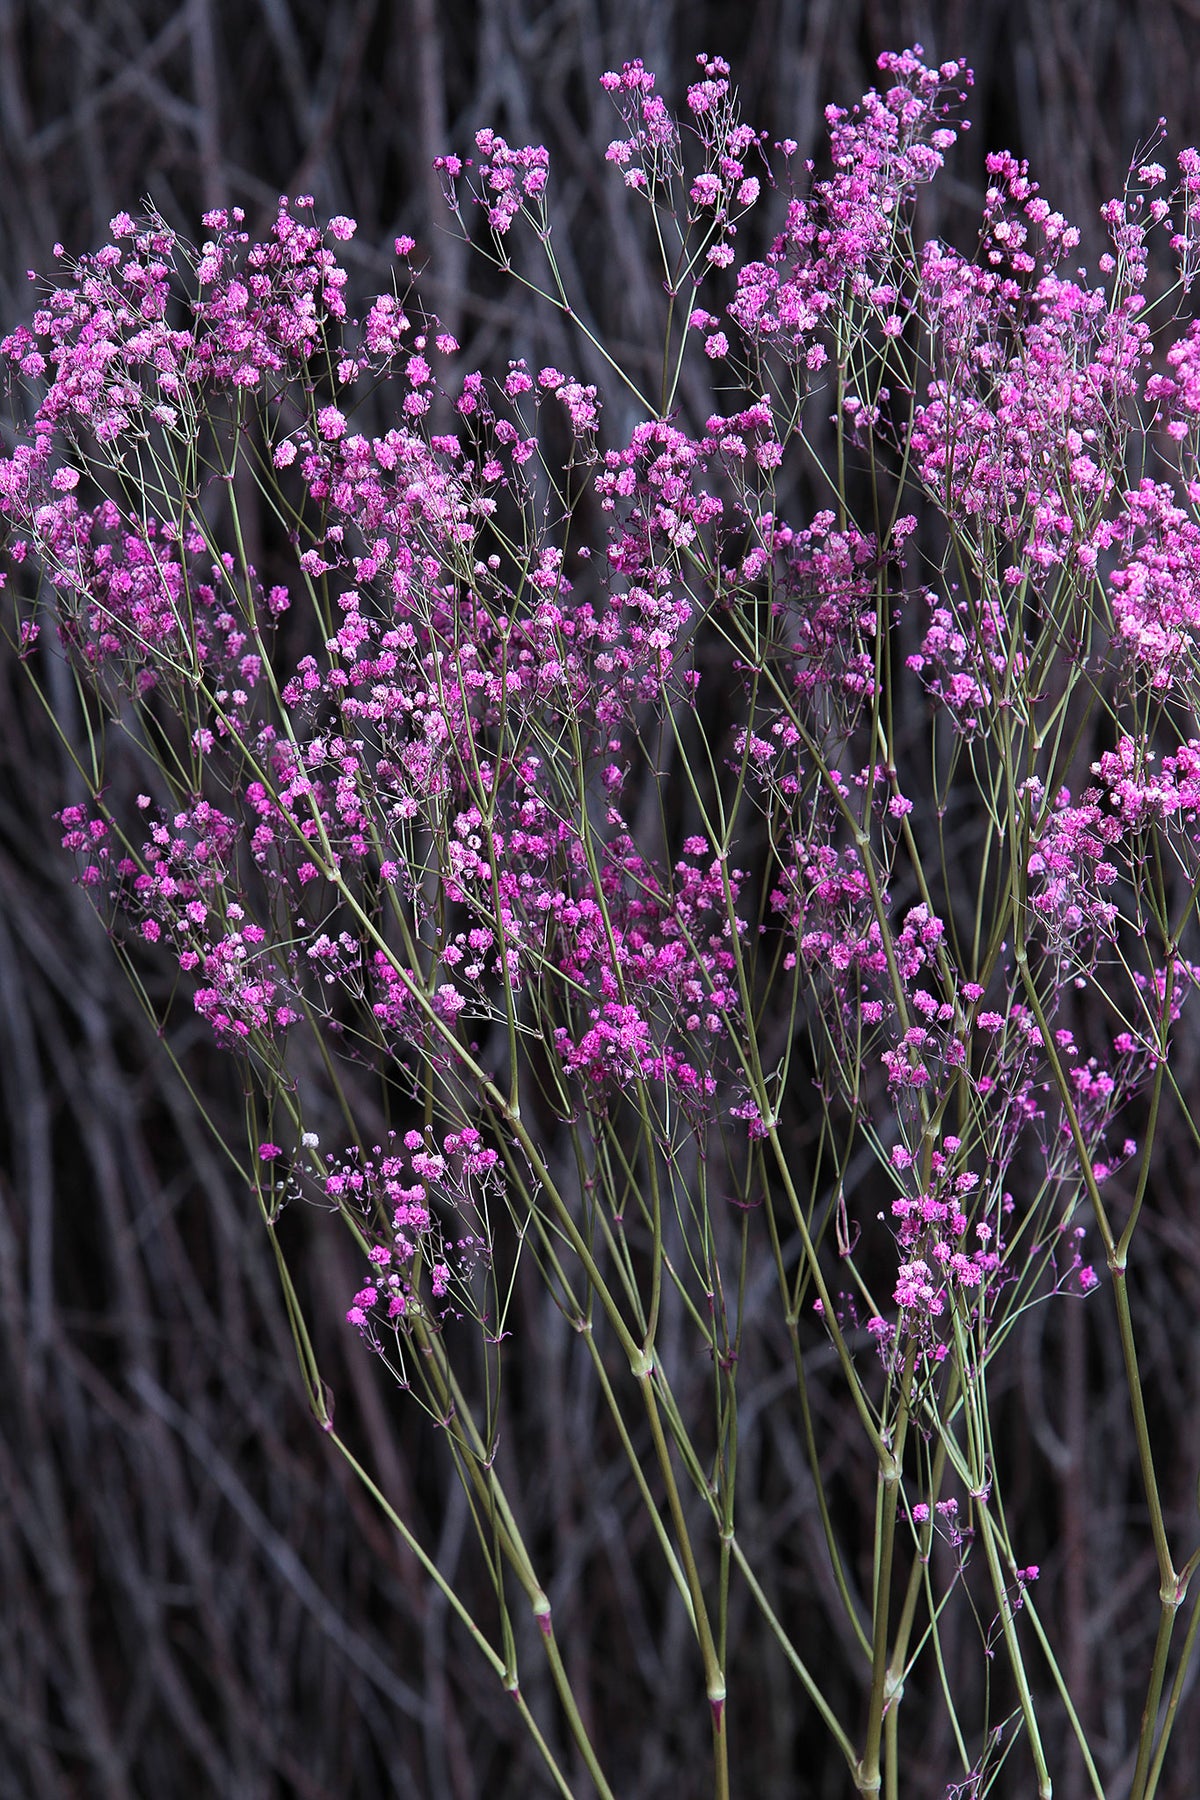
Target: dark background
195	1597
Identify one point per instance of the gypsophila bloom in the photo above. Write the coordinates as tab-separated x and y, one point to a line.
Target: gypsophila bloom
744	837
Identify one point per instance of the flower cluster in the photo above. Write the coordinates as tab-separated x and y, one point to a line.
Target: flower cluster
1154	588
404	1192
840	240
117	366
613	785
650	154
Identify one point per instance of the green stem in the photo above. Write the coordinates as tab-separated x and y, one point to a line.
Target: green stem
885	1691
714	1675
499	1667
1177	1687
829	1717
1158	1670
1008	1625
1168	1579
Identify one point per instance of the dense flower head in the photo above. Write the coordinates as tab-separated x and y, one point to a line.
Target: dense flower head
140	596
840	238
119	365
600	775
651	151
512	177
425	1211
827	595
1155	588
966	655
